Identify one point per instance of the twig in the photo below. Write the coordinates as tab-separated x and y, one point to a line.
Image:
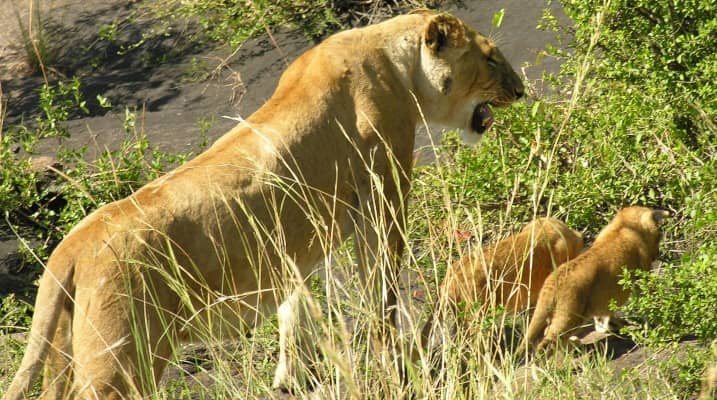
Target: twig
276	45
2	113
72	182
33	42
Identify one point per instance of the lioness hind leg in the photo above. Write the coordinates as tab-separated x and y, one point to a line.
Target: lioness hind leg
57	375
102	361
115	372
297	350
120	348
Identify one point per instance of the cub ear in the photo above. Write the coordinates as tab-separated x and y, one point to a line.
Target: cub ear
659	216
654	218
444	30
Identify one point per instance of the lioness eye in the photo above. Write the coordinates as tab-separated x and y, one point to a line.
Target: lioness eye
492	58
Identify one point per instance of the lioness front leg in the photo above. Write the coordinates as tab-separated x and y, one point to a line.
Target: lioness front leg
379	245
377	258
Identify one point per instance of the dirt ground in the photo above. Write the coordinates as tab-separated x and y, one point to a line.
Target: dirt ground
177	109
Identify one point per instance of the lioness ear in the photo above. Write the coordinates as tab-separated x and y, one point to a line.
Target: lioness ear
444	30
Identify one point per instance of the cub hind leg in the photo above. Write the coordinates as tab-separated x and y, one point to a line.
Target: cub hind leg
559	331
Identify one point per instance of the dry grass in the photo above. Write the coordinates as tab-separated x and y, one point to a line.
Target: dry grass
33	36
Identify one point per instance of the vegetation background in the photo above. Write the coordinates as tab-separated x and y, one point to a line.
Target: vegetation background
630	118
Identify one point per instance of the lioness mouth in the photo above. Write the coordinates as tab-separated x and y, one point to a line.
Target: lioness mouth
482	118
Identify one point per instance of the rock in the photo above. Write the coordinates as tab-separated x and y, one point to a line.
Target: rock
45	165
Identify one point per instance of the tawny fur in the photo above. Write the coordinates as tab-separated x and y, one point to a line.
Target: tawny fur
709	383
230	227
709	378
511	272
583	288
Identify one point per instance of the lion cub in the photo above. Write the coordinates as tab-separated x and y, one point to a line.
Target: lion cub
511	272
583	288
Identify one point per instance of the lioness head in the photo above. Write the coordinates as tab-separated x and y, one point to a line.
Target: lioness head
463	74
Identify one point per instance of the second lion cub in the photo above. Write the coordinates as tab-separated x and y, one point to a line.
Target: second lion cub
512	271
509	273
583	288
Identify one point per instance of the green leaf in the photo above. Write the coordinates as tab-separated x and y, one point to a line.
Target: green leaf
498	18
104	101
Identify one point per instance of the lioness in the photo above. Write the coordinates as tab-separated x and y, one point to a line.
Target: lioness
509	273
218	239
583	288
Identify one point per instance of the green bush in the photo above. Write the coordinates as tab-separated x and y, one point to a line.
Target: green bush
678	301
666	47
114	175
21	191
236	21
18	183
13	313
655	102
46	210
